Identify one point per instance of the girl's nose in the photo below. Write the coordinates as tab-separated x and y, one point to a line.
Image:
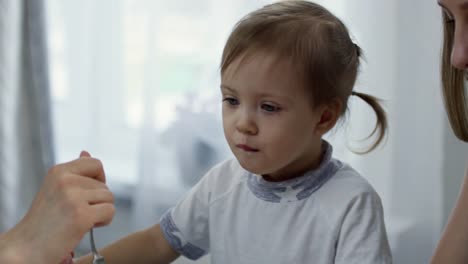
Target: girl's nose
460	47
246	124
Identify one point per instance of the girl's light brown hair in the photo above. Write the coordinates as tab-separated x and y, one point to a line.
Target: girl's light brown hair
316	42
453	86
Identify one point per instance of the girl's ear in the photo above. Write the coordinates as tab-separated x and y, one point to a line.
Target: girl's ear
329	115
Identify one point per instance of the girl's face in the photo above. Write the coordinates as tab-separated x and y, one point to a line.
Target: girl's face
457	13
269	122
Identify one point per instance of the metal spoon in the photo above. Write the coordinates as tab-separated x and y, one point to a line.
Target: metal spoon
97	259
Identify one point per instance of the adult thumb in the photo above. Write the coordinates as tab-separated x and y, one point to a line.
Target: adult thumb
85	153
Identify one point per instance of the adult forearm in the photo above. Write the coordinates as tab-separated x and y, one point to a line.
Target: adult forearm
453	245
12	250
10	255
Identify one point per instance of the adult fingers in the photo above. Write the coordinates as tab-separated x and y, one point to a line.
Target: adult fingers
103	213
85	166
85	153
98	196
78	181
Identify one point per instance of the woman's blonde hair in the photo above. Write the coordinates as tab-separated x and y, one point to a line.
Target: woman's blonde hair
316	42
453	85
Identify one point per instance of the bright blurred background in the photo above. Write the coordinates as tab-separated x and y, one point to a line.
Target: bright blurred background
136	83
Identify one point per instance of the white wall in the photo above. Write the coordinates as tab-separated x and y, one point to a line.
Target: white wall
419	128
401	41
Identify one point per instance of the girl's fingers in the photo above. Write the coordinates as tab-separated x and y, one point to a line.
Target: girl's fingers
68	259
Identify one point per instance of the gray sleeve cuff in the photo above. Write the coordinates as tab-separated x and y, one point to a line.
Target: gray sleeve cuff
176	240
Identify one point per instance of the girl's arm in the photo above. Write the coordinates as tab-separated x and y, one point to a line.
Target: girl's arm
147	246
452	248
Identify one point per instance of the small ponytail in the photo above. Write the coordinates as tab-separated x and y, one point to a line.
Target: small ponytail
358	50
381	125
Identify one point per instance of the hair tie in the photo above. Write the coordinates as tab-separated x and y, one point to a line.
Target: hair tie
358	50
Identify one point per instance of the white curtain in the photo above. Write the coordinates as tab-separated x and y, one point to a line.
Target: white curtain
26	149
136	83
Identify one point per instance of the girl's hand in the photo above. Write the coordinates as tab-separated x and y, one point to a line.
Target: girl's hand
72	199
68	259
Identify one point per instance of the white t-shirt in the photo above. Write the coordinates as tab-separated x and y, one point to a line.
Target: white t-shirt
329	215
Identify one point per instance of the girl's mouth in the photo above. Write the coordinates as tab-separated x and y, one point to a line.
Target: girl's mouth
246	148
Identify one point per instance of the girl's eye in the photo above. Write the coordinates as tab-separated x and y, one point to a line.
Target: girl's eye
231	101
270	108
